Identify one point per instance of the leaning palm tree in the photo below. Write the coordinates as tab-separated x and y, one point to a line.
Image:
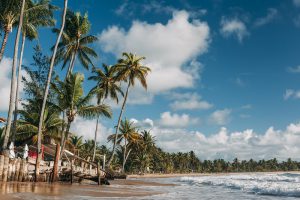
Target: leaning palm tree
128	69
46	91
129	136
12	97
41	17
107	86
9	14
71	98
75	42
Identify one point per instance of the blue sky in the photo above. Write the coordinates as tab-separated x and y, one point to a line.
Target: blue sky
219	68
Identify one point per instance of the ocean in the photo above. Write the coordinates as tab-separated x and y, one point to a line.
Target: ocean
230	187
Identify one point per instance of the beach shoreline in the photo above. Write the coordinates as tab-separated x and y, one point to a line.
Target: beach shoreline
158	175
118	188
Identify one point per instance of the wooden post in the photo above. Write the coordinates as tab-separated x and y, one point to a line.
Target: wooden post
21	172
72	163
99	173
55	166
1	166
5	169
18	165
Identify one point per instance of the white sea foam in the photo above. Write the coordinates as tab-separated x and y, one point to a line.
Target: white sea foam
264	184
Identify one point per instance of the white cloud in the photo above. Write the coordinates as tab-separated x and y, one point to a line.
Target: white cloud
242	144
5	75
168	119
220	117
189	101
291	94
296	3
272	14
168	49
233	27
86	128
294	69
146	123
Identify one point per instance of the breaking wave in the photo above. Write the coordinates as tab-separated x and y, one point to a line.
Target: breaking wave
286	184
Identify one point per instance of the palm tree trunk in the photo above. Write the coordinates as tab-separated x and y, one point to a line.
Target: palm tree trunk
12	98
62	134
14	132
124	154
118	126
66	137
95	139
70	65
5	38
72	61
125	160
38	159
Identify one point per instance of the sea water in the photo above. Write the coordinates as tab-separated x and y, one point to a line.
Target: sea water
231	187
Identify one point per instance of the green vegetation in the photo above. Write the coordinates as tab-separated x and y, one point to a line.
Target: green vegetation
52	103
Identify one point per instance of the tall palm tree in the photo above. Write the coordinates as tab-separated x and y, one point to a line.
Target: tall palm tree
130	137
71	98
39	145
41	17
13	80
128	69
75	42
107	86
9	14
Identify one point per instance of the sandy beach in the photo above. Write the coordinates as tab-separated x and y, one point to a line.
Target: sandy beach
118	188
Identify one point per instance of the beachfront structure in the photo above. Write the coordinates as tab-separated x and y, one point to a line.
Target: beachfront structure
19	165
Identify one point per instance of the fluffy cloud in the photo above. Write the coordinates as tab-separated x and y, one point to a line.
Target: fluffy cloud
233	27
86	128
294	69
189	101
271	15
5	74
220	117
289	93
296	3
168	119
223	144
170	49
146	123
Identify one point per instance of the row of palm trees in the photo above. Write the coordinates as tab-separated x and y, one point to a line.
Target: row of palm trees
65	97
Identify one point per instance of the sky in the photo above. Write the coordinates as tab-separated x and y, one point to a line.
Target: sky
225	78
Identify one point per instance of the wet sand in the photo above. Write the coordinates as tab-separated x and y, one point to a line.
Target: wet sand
118	188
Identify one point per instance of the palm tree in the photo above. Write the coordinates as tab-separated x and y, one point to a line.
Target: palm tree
27	129
42	16
75	42
9	14
71	98
128	69
76	143
130	136
39	145
13	80
106	87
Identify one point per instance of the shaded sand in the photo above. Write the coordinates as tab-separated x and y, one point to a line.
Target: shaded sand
118	188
